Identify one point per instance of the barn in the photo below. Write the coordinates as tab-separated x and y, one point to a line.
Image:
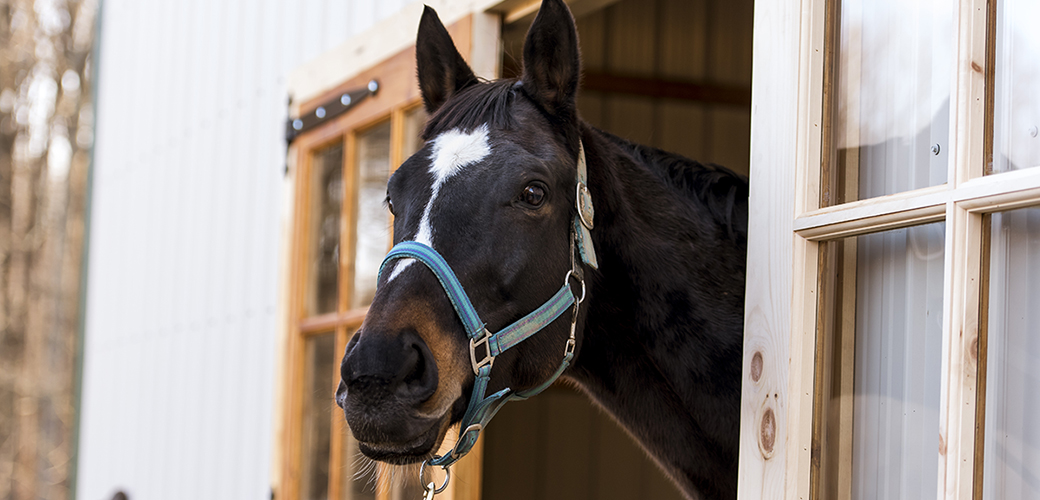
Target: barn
891	313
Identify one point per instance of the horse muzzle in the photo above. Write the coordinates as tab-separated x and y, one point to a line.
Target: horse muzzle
387	381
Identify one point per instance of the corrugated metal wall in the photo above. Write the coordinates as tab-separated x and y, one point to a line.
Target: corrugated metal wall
707	41
187	210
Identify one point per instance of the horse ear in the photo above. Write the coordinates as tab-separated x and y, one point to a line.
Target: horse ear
552	60
442	70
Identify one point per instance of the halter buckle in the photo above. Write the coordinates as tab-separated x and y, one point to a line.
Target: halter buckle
583	199
487	359
457	449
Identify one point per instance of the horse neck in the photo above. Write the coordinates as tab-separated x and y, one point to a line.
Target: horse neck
663	328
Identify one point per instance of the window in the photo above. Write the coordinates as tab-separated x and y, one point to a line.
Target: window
342	231
893	252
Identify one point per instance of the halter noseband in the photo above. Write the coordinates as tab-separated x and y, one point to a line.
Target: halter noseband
481	409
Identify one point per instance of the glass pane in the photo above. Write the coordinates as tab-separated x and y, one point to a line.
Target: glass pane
414	121
890	114
1016	141
373	219
879	360
1011	461
326	210
319	385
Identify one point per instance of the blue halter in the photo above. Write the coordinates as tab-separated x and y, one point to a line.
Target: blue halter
482	408
485	346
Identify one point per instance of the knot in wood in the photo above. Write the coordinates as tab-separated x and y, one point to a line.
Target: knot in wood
767	433
756	366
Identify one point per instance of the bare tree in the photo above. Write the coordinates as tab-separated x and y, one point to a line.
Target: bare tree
46	130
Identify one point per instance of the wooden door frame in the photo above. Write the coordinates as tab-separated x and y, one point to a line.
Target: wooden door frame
397	94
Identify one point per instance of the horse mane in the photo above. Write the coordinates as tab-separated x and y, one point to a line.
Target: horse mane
722	191
474	106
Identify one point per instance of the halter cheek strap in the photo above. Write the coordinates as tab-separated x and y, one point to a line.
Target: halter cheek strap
485	346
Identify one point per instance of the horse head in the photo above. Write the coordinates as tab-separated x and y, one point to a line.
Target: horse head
492	193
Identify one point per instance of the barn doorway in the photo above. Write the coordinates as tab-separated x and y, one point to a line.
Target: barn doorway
674	74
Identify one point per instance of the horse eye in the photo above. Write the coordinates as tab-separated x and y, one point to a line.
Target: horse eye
533	195
389	205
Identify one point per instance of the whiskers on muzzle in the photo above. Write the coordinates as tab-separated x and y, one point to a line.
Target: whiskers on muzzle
374	476
371	476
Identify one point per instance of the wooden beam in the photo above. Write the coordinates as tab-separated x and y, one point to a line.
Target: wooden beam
764	421
985	194
669	89
325	322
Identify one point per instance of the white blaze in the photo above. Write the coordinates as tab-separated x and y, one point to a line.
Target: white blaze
452	152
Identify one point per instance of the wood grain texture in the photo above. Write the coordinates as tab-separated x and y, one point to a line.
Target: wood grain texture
767	324
962	269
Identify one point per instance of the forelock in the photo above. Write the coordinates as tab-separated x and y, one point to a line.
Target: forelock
483	104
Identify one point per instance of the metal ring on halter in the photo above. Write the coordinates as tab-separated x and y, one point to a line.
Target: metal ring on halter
436	489
567	280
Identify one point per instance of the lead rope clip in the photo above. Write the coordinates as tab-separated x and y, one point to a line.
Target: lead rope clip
430	489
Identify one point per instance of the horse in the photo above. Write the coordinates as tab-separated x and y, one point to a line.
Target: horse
493	215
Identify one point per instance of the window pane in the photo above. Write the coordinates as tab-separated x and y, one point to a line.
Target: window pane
890	114
1016	141
878	381
319	385
1011	462
326	209
899	294
373	219
414	121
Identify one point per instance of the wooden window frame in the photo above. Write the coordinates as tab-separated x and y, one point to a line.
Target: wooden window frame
398	94
788	224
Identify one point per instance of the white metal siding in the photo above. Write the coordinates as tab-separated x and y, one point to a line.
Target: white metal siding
187	212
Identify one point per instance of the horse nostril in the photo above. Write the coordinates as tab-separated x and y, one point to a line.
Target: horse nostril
384	365
417	374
